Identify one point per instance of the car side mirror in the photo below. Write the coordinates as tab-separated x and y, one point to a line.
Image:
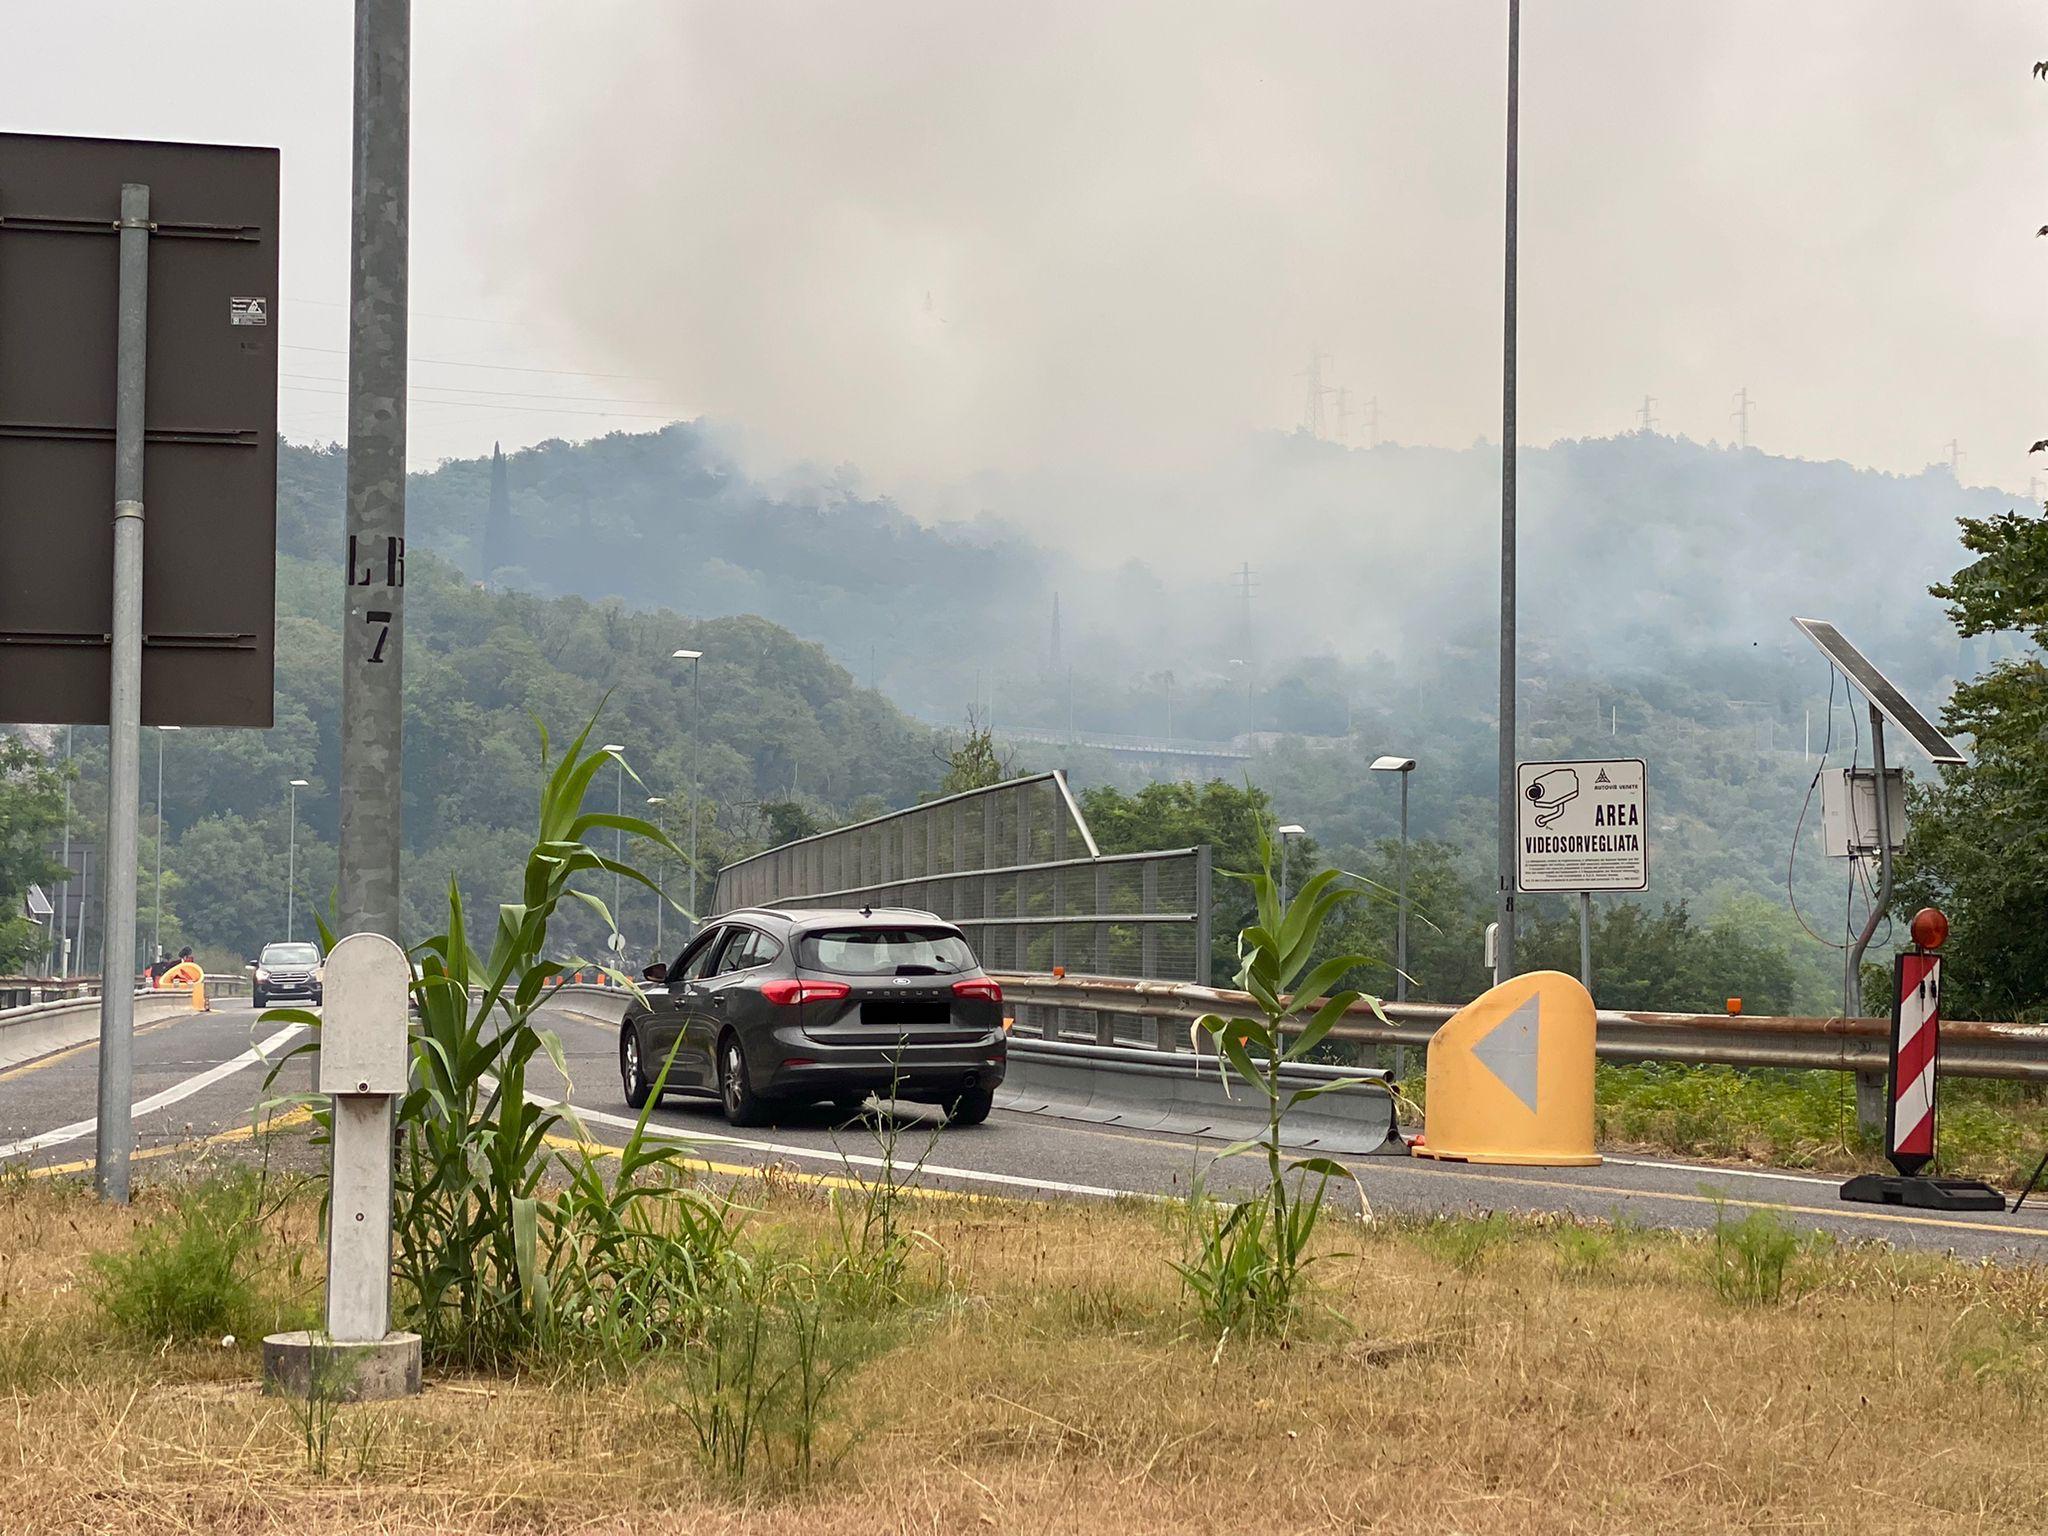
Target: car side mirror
655	973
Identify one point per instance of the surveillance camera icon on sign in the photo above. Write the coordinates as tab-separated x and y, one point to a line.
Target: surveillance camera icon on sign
1551	790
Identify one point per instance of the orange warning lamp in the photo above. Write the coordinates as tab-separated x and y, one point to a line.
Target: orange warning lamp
1929	928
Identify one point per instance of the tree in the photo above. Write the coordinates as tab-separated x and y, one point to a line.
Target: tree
788	820
1225	816
1978	847
974	763
31	817
1663	960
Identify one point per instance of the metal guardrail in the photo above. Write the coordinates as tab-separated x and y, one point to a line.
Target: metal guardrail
1113	1010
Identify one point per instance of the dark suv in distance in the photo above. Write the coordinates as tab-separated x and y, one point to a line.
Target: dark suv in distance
288	970
772	1005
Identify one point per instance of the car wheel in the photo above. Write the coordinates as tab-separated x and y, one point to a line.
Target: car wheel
631	1077
735	1088
972	1107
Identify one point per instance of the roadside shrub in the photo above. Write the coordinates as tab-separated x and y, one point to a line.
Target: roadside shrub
1249	1263
191	1275
760	1388
1754	1261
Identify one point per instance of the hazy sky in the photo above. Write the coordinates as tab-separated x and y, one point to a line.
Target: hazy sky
932	239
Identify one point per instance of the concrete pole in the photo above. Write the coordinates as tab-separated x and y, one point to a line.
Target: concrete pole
373	640
116	1132
1504	952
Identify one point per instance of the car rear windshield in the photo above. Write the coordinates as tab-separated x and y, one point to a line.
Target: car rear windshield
291	954
884	951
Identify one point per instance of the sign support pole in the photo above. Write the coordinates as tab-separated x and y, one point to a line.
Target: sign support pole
116	1134
1504	945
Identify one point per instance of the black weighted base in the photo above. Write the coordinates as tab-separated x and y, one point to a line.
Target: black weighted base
1923	1194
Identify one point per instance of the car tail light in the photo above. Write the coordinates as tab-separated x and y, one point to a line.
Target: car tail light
791	990
980	988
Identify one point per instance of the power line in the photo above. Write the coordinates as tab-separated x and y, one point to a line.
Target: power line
509	394
532	410
452	362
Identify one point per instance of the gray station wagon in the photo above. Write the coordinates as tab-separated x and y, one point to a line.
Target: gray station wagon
775	1006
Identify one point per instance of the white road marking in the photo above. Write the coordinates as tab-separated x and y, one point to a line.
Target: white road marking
174	1094
1719	1169
814	1154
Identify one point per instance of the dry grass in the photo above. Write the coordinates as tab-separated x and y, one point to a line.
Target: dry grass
1529	1378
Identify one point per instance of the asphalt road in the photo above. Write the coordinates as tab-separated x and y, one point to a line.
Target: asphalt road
199	1081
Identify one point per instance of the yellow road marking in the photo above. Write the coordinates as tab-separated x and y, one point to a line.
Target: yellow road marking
143	1154
754	1170
61	1052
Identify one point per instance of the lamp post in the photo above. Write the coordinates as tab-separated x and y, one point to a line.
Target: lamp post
660	898
156	942
64	894
696	759
1288	834
615	750
291	857
1402	766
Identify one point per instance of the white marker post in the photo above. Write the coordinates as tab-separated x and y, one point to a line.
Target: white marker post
364	1065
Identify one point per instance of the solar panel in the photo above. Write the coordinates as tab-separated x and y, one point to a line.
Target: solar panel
1877	688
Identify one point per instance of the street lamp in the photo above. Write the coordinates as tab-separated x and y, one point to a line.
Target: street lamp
1402	766
696	760
64	898
156	943
614	750
1288	834
660	896
291	856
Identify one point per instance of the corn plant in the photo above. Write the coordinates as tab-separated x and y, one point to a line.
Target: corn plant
469	1209
1250	1259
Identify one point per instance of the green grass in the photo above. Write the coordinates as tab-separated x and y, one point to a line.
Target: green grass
1986	1130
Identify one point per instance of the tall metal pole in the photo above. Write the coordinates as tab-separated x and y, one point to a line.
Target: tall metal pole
696	781
1401	900
116	1131
373	642
64	893
1401	929
1852	981
1504	953
1870	1086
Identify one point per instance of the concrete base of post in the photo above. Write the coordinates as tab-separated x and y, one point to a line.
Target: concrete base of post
305	1365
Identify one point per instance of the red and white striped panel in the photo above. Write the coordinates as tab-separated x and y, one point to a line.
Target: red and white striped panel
1913	1071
